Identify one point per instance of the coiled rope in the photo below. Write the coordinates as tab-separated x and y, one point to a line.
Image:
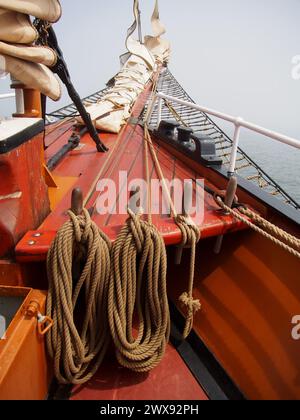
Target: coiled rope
116	284
138	282
78	351
138	291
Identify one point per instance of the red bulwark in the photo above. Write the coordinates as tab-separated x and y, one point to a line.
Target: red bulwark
171	380
23	193
84	168
87	167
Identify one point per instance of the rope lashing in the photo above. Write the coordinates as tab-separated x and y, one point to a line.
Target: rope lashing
78	346
138	285
190	237
243	212
275	230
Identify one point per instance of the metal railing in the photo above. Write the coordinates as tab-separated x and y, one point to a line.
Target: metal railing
70	109
200	122
7	95
238	123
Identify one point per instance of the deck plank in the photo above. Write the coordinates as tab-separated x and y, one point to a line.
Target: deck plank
171	380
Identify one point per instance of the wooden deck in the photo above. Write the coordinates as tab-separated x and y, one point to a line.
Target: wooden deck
171	380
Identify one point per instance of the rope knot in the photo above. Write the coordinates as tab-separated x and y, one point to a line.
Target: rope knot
192	304
82	225
138	229
190	232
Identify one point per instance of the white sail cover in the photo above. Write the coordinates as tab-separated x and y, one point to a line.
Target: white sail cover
49	10
139	65
112	111
159	47
19	56
16	27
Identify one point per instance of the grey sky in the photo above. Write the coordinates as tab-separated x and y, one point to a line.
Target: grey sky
232	55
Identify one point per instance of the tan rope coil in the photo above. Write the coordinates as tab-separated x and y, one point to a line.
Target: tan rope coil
190	237
138	282
257	229
78	351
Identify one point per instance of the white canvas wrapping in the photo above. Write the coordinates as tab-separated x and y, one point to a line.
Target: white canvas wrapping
113	110
139	64
160	48
36	76
157	27
135	47
49	10
26	62
16	27
35	54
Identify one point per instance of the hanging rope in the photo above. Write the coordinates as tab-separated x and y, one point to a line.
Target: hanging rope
78	346
190	237
138	287
138	282
265	224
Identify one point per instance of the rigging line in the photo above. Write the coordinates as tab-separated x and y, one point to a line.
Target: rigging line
146	157
190	237
149	190
159	171
108	162
283	193
92	189
207	189
123	186
257	229
154	155
94	184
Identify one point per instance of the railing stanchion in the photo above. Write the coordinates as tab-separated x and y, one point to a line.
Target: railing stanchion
235	146
20	106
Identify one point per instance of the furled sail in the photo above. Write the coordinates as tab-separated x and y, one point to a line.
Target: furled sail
139	64
16	27
25	61
49	10
159	47
134	46
34	54
112	111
